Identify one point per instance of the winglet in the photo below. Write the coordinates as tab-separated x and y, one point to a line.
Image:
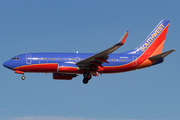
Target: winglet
123	39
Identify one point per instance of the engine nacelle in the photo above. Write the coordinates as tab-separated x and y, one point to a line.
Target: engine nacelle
59	76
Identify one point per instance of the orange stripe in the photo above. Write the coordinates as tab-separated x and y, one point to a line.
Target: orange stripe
148	62
142	61
159	49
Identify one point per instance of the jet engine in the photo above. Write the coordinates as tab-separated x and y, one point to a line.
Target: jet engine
59	76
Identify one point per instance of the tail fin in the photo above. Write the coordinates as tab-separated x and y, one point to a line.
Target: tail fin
154	43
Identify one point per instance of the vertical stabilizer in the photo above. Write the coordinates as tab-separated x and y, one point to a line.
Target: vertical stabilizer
154	43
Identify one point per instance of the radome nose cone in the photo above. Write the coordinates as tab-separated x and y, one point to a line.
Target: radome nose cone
6	64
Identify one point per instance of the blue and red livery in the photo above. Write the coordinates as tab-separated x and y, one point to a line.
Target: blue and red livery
66	66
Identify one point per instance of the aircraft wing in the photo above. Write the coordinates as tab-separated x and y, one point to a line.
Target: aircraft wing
96	60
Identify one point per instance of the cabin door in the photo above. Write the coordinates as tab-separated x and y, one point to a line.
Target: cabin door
28	59
134	61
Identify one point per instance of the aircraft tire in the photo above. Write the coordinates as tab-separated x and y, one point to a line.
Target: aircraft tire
85	80
23	77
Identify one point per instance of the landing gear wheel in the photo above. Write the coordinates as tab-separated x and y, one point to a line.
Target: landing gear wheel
87	77
23	77
85	81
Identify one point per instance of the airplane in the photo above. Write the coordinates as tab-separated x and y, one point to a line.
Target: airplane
65	66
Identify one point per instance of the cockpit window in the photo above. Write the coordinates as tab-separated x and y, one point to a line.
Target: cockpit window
15	58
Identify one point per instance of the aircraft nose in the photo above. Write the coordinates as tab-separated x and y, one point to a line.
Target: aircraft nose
6	64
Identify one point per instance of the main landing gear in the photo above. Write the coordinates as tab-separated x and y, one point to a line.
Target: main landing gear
87	77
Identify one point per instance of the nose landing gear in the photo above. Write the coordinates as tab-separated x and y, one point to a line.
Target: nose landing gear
20	72
23	77
87	77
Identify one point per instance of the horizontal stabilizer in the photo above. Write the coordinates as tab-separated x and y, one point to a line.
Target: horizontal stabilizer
162	55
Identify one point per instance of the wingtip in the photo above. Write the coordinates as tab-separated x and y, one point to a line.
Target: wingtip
123	39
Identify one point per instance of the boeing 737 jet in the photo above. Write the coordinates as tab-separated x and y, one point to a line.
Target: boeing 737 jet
65	66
